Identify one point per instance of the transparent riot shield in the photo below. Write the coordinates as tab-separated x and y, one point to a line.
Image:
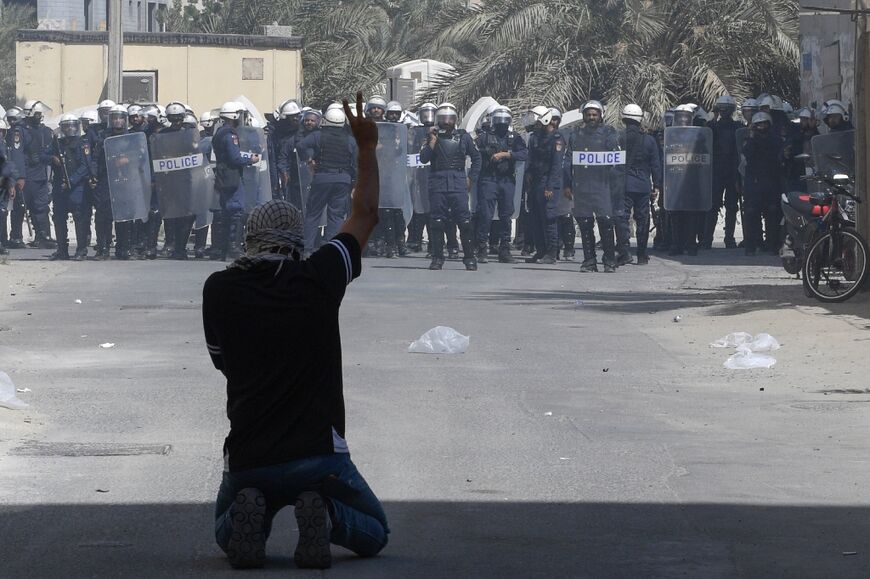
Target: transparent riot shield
593	161
419	182
834	153
256	182
180	177
204	204
297	193
688	179
741	135
129	174
392	153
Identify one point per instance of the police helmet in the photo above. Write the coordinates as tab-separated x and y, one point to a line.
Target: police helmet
37	110
231	110
117	117
90	116
175	112
541	114
684	114
426	113
806	113
106	104
134	110
555	113
28	106
593	104
772	102
288	109
749	103
501	116
70	125
787	108
446	112
206	119
761	117
311	114
394	111
632	112
835	107
14	114
375	102
189	121
334	116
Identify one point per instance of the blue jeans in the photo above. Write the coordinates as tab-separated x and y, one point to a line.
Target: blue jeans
359	522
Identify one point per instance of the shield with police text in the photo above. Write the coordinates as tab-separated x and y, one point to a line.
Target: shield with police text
594	159
129	175
179	169
834	153
419	181
392	153
256	182
209	201
519	175
688	179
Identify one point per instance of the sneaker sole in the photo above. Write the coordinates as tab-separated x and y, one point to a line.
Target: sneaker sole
247	546
312	551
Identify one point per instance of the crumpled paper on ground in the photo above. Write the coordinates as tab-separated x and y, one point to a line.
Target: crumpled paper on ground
440	340
8	399
758	343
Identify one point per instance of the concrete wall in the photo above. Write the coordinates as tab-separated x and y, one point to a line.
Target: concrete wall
70	14
67	76
820	31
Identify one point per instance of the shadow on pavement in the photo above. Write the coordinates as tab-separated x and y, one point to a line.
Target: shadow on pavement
459	539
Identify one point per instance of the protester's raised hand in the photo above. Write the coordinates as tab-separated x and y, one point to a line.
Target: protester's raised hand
364	130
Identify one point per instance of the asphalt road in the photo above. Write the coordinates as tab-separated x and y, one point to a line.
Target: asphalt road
584	434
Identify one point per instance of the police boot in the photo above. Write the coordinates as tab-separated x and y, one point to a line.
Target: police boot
218	249
548	258
4	236
151	234
708	229
199	238
466	237
43	238
504	253
590	258
235	233
436	243
169	227
61	254
82	223
730	226
482	253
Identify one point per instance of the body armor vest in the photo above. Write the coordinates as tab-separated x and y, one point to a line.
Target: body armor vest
334	152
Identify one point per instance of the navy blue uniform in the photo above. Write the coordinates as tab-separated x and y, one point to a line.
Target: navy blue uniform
36	194
643	172
16	157
102	201
227	228
73	167
334	153
725	192
448	191
762	188
546	152
497	185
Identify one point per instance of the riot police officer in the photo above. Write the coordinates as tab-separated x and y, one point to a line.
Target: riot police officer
761	195
282	136
311	119
147	232
725	161
836	117
546	150
177	229
117	125
135	119
393	112
8	176
376	108
332	153
73	167
590	185
391	222
500	150
748	109
643	174
227	226
420	220
687	226
15	156
37	138
449	186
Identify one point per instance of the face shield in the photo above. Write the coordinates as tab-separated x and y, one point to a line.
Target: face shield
71	128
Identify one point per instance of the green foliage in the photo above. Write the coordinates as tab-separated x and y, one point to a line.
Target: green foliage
525	52
14	17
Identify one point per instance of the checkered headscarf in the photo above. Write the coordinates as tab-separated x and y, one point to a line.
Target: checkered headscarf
273	233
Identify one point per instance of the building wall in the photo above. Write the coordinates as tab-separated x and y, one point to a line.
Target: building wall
70	76
70	14
827	53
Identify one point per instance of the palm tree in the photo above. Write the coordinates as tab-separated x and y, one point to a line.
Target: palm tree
12	18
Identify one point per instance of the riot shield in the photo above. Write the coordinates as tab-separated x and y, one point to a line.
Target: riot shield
297	193
419	182
592	172
519	175
834	153
129	176
256	182
179	173
203	205
392	153
741	135
688	179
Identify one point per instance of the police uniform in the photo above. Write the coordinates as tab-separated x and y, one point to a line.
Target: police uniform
334	152
448	191
761	194
643	171
102	201
497	186
36	195
8	175
725	192
146	232
546	151
70	191
227	228
17	159
177	230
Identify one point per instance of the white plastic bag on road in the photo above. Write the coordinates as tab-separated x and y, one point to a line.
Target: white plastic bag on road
8	399
440	340
763	343
732	340
746	359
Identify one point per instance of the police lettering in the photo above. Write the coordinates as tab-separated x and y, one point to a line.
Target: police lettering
589	158
178	163
414	161
687	159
